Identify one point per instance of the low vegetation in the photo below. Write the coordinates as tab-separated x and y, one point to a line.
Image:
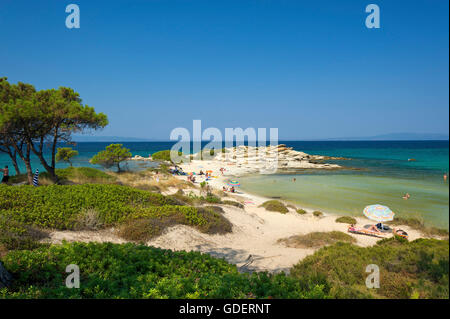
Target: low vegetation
205	219
317	239
165	155
301	211
417	269
317	213
94	206
275	206
17	235
346	220
192	199
137	271
84	175
71	175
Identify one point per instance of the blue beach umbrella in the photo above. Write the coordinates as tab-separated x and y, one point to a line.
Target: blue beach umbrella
234	183
379	213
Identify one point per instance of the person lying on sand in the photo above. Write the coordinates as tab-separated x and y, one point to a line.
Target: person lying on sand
371	231
374	229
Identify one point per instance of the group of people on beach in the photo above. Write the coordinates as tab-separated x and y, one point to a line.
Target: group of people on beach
207	174
231	190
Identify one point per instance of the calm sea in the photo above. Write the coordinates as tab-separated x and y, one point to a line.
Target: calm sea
379	172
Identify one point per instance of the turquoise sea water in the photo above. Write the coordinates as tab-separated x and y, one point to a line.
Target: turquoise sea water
378	172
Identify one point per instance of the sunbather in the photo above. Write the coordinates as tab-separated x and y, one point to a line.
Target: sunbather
371	231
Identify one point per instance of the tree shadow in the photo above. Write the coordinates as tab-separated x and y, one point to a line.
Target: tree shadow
241	258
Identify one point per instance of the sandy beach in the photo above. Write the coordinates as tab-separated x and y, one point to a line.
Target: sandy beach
253	244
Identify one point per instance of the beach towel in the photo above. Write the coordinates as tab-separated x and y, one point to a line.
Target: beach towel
362	231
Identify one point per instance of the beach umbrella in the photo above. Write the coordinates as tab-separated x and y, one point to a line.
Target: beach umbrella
234	183
379	213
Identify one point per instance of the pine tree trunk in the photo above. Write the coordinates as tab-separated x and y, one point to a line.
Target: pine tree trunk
29	171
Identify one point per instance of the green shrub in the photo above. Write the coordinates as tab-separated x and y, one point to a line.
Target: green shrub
88	219
165	155
16	235
317	213
210	198
301	211
275	206
193	199
154	220
137	271
59	206
83	175
408	269
346	220
141	230
317	239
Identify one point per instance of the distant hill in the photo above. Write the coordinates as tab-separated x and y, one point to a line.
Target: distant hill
90	138
384	137
397	137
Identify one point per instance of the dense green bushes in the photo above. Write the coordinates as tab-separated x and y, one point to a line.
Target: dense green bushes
131	271
407	269
275	206
153	221
77	207
57	206
16	235
60	207
165	155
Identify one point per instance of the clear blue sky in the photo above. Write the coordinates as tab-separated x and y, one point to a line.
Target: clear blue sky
310	68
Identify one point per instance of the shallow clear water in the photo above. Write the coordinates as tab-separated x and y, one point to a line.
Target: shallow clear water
383	175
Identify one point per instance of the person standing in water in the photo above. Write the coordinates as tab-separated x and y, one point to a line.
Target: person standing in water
5	174
445	177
